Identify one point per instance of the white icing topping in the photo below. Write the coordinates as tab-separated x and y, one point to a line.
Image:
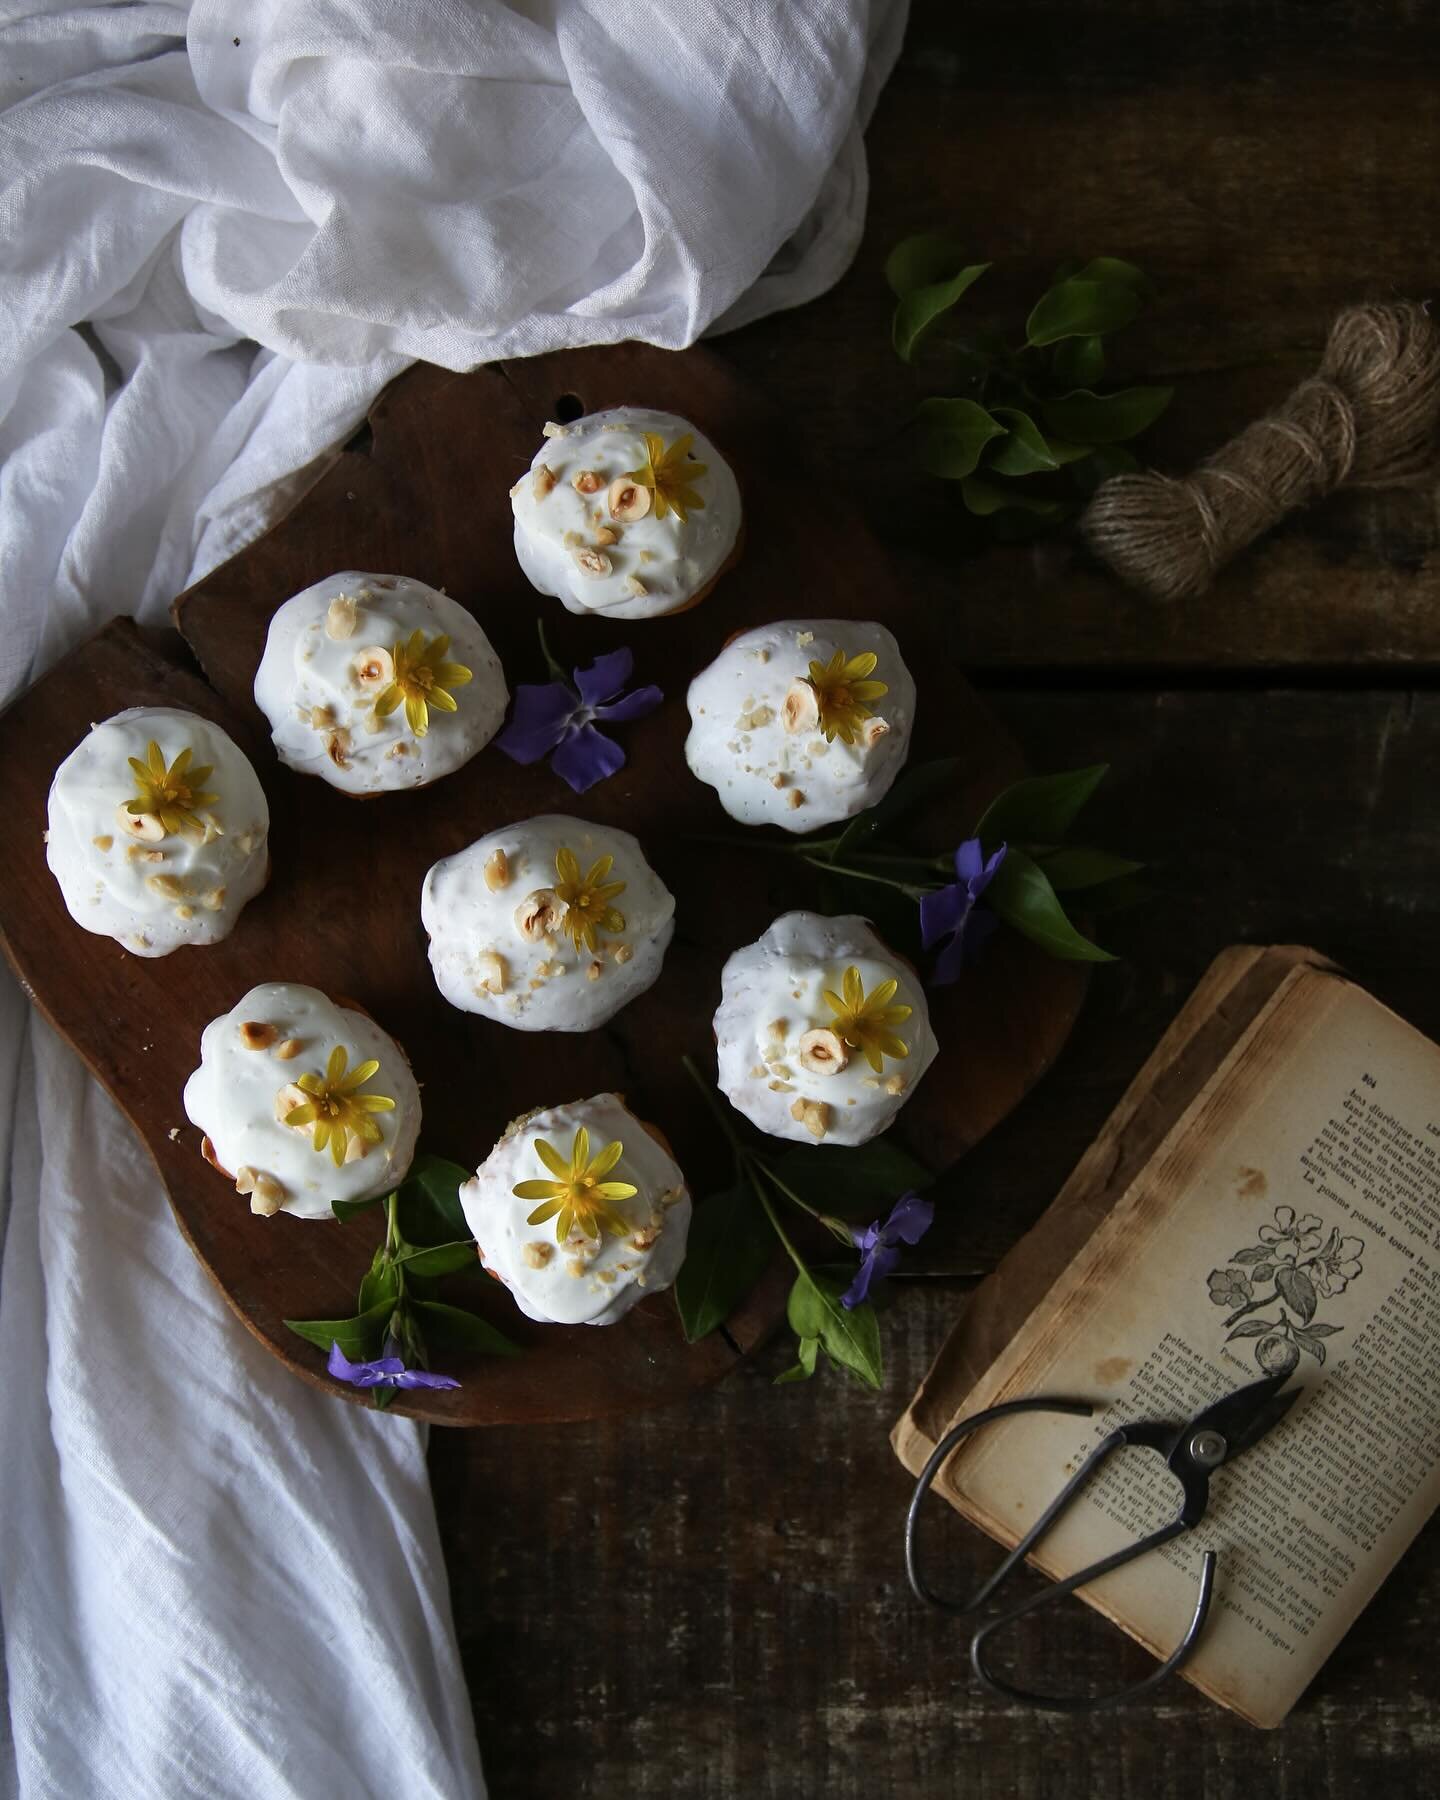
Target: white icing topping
583	1281
669	560
766	774
156	891
236	1093
318	689
484	962
771	996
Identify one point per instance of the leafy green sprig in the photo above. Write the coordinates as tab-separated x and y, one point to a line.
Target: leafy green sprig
1026	429
867	867
733	1236
425	1237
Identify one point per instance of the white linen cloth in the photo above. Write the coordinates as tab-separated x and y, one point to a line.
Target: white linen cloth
215	1581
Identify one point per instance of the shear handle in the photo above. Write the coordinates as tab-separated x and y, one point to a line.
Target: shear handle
1077	1703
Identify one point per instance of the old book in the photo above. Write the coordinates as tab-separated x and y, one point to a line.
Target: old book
1267	1193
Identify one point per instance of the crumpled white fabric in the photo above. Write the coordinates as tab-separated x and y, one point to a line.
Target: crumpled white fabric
222	229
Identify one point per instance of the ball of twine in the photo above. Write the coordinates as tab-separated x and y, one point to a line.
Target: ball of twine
1367	418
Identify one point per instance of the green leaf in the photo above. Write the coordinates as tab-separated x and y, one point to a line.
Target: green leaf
1024	898
361	1338
727	1252
1115	896
1323	1330
917	311
805	1367
1071	868
922	261
382	1285
1024	450
860	1182
915	787
1078	362
1040	808
1115	269
1297	1290
1256	1253
986	498
429	1206
1088	418
850	1336
347	1209
1081	308
461	1330
1251	1328
952	434
441	1259
1307	1340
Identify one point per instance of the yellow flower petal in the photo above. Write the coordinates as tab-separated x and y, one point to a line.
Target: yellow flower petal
417	714
312	1084
322	1133
552	1159
438	697
580	1152
607	1159
541	1213
374	1103
452	675
539	1190
303	1114
386	703
335	1068
615	1190
359	1074
567	867
338	1146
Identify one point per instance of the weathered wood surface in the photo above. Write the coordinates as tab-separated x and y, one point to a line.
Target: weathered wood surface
710	1600
1267	166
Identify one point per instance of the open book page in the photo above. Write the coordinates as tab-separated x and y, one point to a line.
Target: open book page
1292	1216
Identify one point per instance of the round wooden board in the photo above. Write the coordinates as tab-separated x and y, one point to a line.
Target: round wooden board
424	491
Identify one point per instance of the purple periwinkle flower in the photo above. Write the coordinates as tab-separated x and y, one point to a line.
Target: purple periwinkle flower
553	717
952	912
384	1371
910	1218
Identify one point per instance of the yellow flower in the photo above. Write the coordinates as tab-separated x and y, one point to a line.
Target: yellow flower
841	693
865	1023
421	680
171	794
334	1108
668	475
587	901
579	1195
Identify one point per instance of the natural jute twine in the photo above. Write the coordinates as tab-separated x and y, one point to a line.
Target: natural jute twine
1368	418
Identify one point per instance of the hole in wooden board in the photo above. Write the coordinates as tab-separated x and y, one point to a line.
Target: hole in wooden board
568	408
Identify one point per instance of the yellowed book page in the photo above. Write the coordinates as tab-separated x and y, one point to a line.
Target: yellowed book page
1292	1215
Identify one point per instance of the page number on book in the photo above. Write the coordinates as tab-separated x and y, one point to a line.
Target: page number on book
1369	1081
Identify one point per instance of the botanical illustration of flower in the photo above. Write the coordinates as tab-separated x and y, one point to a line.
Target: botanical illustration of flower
557	720
171	795
1304	1266
587	898
866	1022
952	912
669	475
579	1198
910	1218
843	692
338	1112
421	678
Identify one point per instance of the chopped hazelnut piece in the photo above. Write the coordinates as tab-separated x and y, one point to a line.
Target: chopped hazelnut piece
782	1087
606	536
872	731
373	668
592	972
207	1150
144	826
497	870
337	747
814	1115
803	639
895	1084
593	563
550	429
545	479
636	587
755	718
575	1266
356	1149
539	914
289	1049
340	617
795	798
537	1253
645	1237
587	481
623	953
169	887
823	1052
259	1034
758	1072
287	1099
490	972
627	500
102	843
184	912
214	900
800	710
266	1194
778	779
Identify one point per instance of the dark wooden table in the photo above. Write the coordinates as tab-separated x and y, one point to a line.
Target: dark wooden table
710	1601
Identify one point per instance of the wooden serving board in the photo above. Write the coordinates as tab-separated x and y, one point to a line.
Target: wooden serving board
424	491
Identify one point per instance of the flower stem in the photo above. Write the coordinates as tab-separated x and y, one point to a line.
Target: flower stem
550	662
712	1100
751	1169
1252	1306
836	1227
905	887
392	1223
